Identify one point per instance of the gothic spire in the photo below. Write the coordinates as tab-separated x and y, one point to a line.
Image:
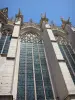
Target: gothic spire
43	15
19	12
19	15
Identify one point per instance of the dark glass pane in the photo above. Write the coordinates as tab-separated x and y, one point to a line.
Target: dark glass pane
2	41
6	47
21	92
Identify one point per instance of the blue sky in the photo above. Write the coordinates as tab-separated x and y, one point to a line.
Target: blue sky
33	9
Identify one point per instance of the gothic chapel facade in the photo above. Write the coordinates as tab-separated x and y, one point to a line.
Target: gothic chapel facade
37	61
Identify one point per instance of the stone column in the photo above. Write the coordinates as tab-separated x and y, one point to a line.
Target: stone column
14	53
14	41
7	65
16	69
61	78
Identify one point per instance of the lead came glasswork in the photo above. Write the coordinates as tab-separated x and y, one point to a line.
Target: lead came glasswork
33	80
69	58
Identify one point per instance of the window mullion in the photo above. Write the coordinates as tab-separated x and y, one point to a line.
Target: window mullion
26	74
34	74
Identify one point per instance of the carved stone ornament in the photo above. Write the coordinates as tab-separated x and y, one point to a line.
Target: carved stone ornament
64	22
43	19
19	16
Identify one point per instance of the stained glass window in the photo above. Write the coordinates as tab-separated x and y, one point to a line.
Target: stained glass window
33	77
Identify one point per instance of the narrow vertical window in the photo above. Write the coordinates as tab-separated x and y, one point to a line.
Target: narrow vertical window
6	45
2	41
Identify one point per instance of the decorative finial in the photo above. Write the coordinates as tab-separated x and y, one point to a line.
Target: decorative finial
43	15
64	22
52	23
19	12
31	20
19	15
43	19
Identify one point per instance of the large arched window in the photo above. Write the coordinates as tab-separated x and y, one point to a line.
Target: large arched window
33	79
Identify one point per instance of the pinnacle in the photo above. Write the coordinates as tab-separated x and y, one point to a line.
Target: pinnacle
19	12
